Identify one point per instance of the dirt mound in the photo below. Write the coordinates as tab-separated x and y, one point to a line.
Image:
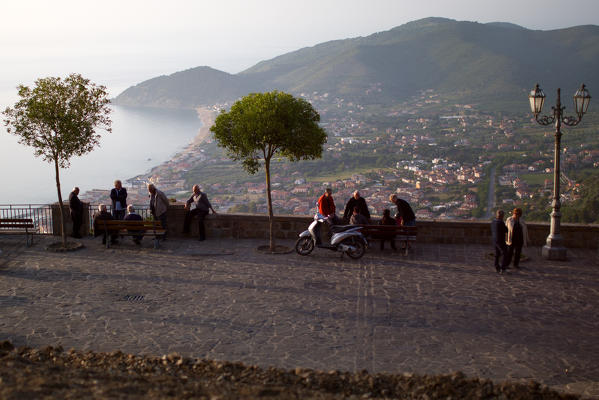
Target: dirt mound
50	372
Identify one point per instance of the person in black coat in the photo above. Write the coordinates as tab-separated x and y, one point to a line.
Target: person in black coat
118	195
133	216
404	211
76	211
356	201
102	214
387	220
499	230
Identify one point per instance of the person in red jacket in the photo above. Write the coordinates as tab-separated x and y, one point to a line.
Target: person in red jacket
326	204
326	207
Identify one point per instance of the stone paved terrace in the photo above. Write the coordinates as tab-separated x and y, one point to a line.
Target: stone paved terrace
438	310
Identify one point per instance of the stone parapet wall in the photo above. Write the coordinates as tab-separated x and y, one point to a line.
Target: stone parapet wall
67	217
429	231
244	226
479	232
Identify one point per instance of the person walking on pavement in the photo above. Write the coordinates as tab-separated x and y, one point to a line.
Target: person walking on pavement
499	231
517	236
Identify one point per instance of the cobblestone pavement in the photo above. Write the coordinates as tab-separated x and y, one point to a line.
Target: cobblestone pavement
441	309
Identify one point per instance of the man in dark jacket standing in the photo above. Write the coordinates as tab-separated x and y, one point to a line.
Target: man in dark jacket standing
76	210
198	204
356	201
499	230
118	195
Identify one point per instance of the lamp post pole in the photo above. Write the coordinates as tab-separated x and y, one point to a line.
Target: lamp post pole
554	248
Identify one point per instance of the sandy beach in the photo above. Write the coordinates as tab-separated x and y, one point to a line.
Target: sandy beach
207	116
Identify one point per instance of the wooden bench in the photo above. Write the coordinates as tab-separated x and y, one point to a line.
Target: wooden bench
402	233
16	226
131	228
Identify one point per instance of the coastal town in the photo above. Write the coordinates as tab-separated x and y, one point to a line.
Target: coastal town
445	163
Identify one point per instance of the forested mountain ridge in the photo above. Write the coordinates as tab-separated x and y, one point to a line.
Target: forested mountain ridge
466	61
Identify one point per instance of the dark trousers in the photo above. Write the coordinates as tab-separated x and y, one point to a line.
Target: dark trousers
77	219
118	214
114	237
501	256
391	240
514	251
162	219
201	214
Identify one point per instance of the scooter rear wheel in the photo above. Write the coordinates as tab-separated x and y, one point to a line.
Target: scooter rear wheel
358	245
304	246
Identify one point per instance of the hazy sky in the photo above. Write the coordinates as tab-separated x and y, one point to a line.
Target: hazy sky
120	43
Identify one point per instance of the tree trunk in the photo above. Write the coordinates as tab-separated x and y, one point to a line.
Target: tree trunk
62	231
270	216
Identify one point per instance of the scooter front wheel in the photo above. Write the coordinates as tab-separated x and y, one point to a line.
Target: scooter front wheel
358	247
304	246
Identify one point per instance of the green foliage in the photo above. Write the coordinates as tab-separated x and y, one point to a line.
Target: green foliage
586	209
467	62
262	125
58	118
249	207
482	194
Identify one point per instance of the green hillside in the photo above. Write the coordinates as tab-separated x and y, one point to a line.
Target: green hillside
488	64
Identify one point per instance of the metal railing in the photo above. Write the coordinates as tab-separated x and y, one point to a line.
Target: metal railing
42	214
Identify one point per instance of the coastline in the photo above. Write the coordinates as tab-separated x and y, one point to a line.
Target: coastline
207	116
170	173
167	173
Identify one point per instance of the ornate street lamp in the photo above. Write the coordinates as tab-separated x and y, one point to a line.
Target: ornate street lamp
554	249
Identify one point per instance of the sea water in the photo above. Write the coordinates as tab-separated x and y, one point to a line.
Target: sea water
141	138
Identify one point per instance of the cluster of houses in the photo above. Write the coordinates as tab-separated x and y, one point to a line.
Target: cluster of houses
414	175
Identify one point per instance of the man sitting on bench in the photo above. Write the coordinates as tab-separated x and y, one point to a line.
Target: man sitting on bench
102	214
357	218
133	216
387	220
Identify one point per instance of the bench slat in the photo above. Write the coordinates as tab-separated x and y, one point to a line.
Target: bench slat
2	220
131	228
13	226
387	229
112	225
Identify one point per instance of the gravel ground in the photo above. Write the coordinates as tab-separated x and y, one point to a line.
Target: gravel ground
52	373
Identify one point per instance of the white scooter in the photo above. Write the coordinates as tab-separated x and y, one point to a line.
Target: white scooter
345	238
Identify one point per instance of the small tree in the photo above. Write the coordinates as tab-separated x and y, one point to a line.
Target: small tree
263	125
58	118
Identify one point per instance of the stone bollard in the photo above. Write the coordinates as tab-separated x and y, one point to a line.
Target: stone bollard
68	226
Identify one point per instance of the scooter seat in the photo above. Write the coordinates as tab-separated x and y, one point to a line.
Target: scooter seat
341	228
